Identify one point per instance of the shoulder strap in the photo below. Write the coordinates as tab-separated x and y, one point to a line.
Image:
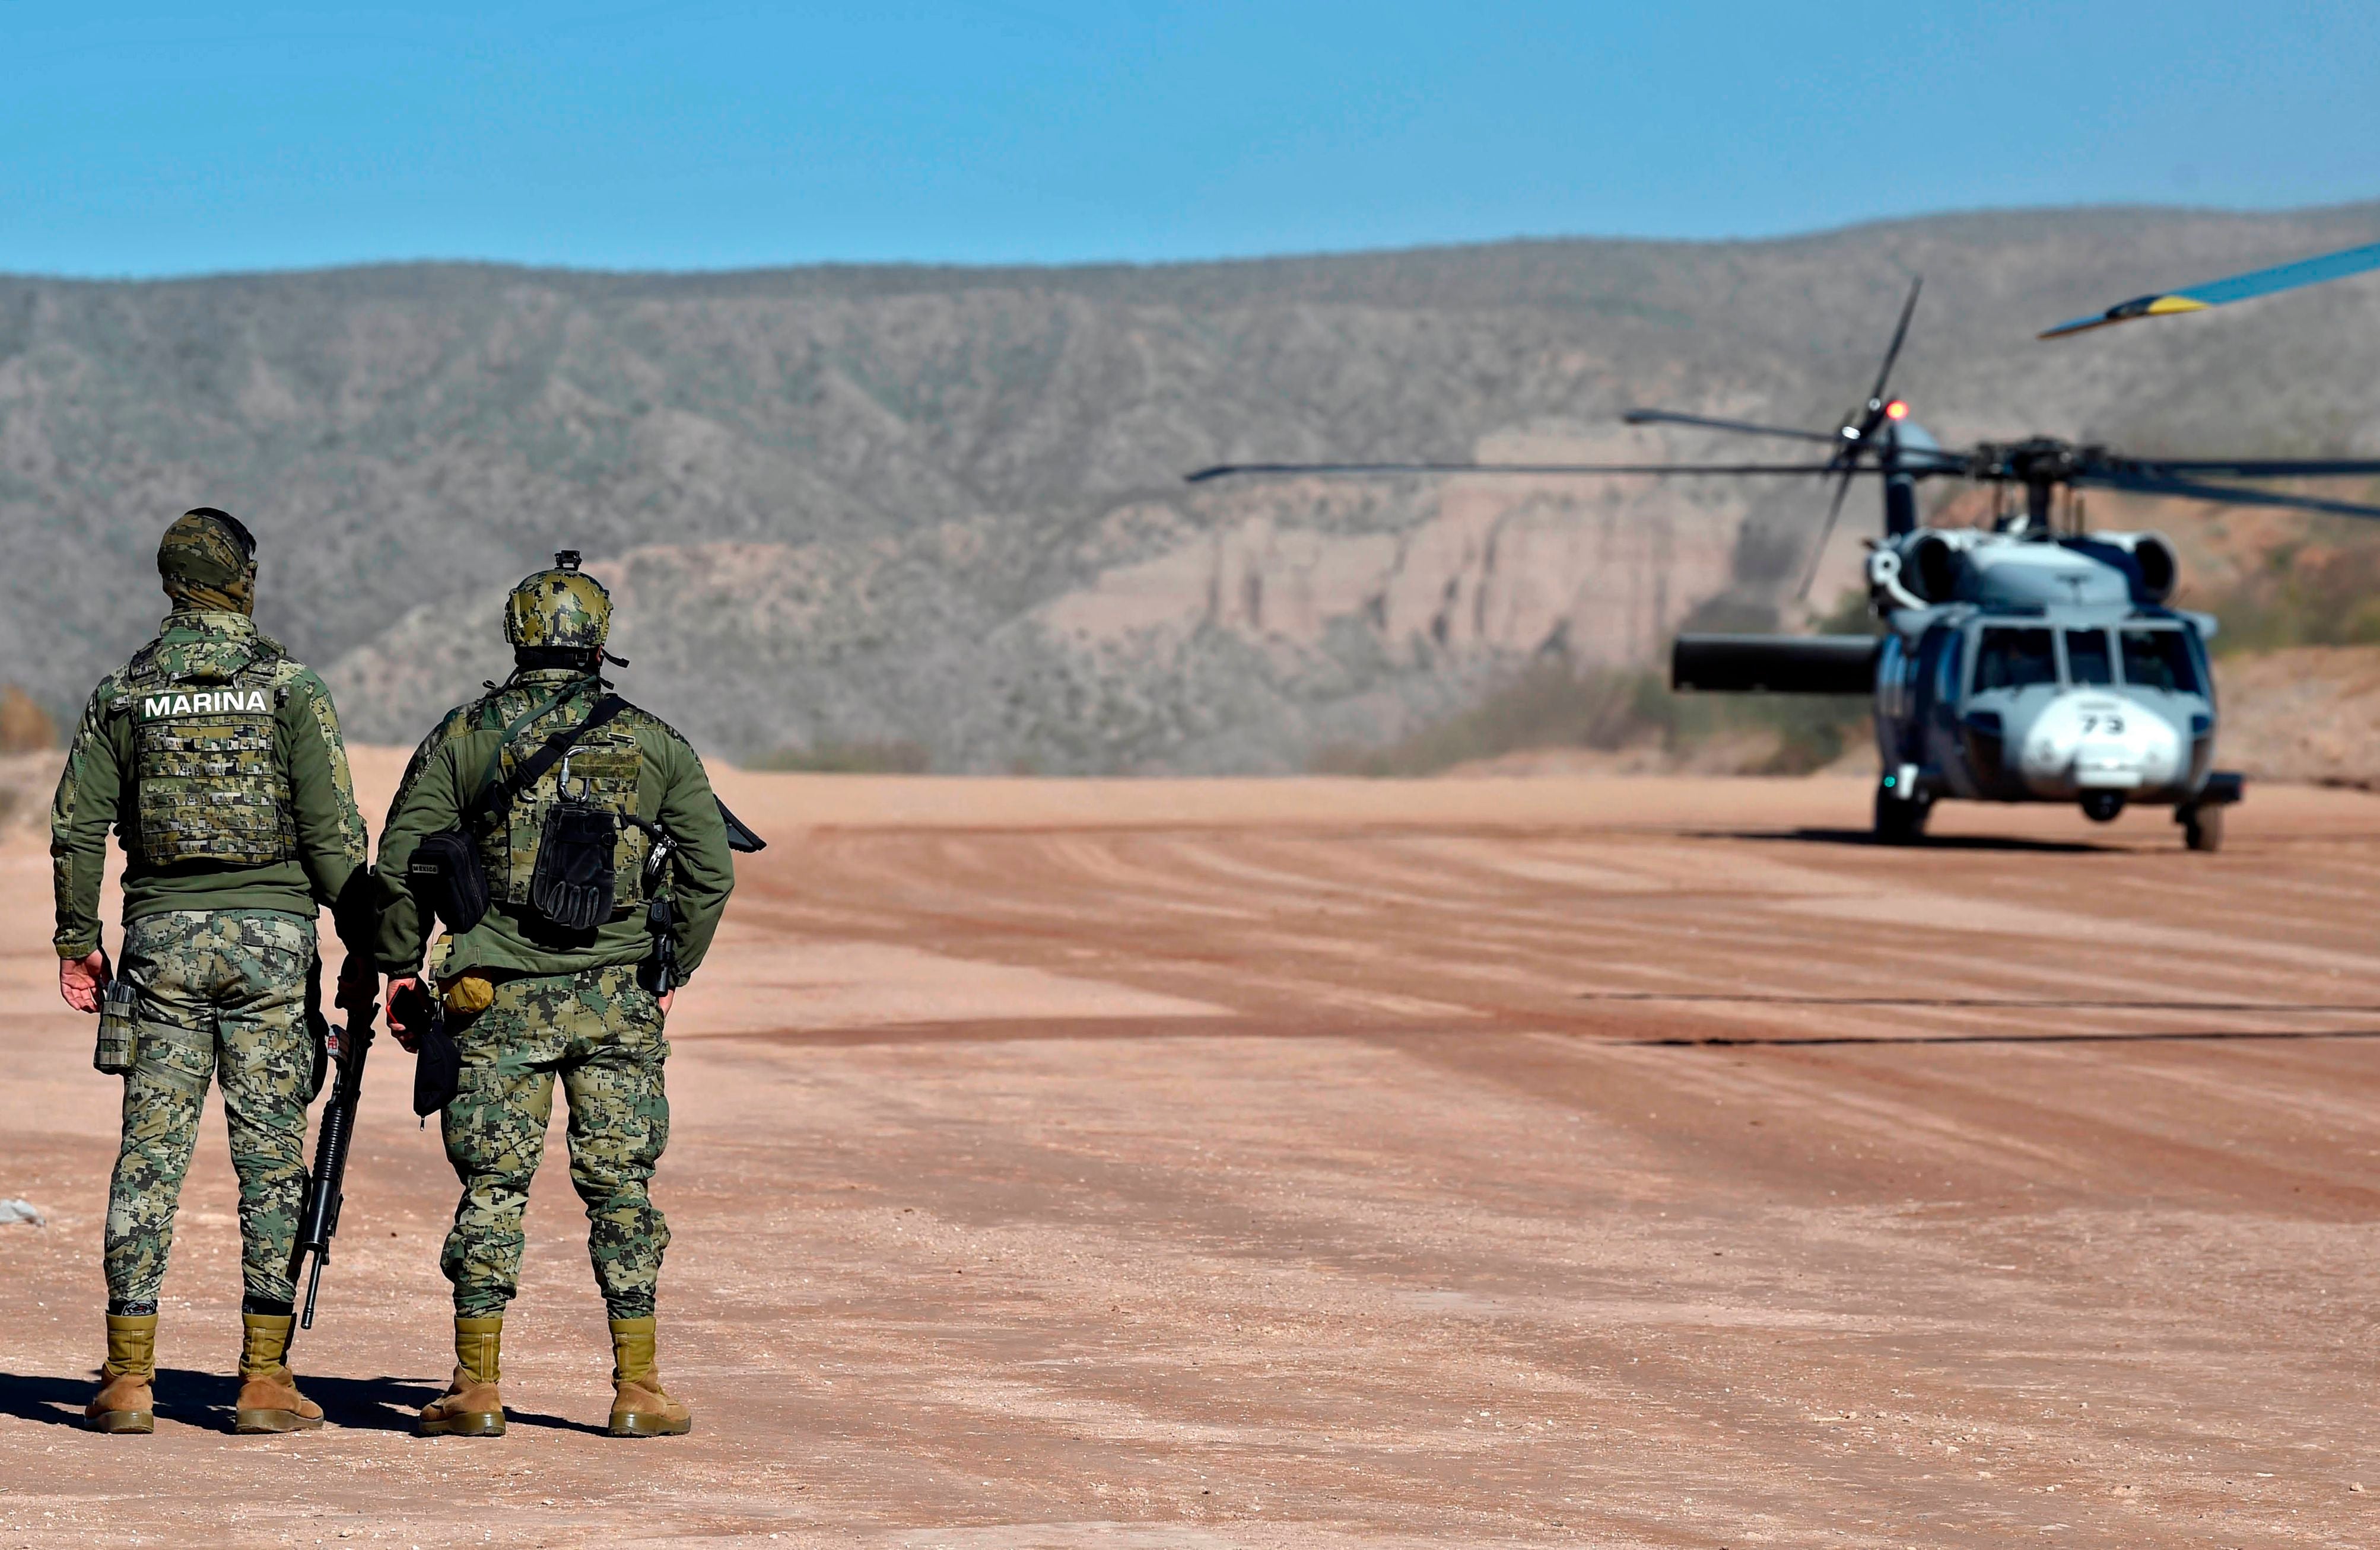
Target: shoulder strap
484	713
498	795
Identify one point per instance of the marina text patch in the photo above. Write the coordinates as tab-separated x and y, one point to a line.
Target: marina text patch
206	702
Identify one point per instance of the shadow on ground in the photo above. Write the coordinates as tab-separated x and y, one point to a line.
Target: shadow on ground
1867	837
207	1401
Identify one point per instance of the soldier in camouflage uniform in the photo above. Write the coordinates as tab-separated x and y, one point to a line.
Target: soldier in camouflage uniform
218	760
529	1002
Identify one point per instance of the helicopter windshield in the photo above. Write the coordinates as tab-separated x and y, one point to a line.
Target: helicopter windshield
2159	660
2086	657
2015	658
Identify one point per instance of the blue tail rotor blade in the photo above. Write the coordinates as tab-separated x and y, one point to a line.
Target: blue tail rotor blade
2236	287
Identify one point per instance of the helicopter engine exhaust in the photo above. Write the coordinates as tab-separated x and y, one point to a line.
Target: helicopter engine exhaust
1932	568
2159	566
1774	664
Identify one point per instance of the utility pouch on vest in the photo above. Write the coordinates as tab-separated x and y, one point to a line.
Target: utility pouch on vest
444	873
468	994
574	882
566	882
119	1030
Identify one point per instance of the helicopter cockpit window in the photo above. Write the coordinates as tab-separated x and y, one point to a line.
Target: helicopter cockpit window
2015	658
2159	660
2087	660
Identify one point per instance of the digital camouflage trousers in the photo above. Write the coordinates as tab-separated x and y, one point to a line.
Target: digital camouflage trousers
222	996
599	1032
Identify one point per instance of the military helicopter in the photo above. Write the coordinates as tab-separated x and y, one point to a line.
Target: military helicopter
2029	662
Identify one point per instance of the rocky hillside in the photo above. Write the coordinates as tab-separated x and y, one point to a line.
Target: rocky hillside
941	510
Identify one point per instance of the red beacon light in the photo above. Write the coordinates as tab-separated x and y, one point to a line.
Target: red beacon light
1896	410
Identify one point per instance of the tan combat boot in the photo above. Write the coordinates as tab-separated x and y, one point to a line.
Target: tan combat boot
640	1406
471	1407
124	1402
269	1401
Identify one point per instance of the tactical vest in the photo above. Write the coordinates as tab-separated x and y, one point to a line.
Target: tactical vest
208	783
601	770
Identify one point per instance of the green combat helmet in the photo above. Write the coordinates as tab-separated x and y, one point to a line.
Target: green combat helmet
562	608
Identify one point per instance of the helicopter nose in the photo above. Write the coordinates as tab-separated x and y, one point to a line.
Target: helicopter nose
2094	740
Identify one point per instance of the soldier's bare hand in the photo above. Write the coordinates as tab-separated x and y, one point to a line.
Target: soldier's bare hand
667	996
82	980
408	1038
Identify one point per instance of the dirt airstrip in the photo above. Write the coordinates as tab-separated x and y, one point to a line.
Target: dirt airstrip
1486	1162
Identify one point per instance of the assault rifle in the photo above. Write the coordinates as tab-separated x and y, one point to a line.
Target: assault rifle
326	1186
661	914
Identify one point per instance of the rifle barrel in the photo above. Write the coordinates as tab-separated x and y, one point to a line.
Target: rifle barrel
313	1285
326	1185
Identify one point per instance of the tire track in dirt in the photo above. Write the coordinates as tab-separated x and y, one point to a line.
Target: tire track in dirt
1049	1169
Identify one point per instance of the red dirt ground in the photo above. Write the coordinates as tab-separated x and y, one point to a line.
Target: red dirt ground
1315	1163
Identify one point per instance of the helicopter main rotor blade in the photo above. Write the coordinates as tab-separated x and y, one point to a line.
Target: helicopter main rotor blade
1884	373
1924	462
2225	494
2251	467
1285	471
1741	428
2235	287
1818	551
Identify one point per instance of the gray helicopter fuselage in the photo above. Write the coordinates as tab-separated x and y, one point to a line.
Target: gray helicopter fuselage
2046	673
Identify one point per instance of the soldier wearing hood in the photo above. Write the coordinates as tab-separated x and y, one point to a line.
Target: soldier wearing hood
218	759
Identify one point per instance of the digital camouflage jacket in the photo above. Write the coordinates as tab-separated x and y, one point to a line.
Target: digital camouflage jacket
217	761
636	764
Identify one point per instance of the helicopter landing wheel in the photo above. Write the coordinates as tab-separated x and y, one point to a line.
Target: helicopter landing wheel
2102	806
1900	821
2201	828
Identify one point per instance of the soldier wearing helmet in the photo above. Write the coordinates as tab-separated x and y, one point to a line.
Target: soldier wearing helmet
571	847
218	760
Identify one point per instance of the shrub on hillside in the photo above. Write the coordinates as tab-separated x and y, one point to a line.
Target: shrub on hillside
25	727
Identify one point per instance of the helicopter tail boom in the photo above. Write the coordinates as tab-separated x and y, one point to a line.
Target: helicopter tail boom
1774	664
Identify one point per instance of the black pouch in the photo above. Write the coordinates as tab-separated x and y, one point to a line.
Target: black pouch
319	1027
437	1069
573	885
119	1028
445	874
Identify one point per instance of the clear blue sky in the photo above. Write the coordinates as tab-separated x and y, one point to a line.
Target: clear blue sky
158	139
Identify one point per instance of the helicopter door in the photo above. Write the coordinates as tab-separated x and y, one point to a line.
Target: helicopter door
1932	736
1894	667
